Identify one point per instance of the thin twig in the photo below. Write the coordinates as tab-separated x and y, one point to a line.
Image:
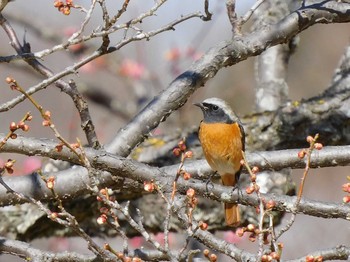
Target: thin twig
137	226
251	11
261	207
208	15
232	16
308	153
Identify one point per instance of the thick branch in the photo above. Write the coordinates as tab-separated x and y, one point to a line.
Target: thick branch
26	251
271	65
224	54
67	186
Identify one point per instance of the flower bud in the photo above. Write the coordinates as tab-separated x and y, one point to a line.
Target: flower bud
190	192
102	219
148	186
240	231
346	199
176	151
203	225
255	169
250	189
310	259
318	146
206	252
301	154
187	176
251	227
346	187
9	80
182	145
309	139
270	204
188	154
13	126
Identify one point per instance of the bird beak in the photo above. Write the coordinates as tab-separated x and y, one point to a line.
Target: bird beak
199	105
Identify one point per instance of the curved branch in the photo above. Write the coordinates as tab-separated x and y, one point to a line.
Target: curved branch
224	54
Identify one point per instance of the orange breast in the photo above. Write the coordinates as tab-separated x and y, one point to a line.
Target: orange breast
222	146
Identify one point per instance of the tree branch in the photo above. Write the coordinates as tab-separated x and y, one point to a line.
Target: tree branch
69	88
68	186
224	54
26	251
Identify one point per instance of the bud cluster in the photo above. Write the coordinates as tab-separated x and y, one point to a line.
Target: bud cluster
313	145
64	8
273	256
346	188
251	228
253	187
12	82
47	118
314	258
210	256
106	214
20	125
181	150
192	202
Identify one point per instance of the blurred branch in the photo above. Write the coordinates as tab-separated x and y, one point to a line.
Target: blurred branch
224	54
290	124
105	100
341	77
271	66
34	24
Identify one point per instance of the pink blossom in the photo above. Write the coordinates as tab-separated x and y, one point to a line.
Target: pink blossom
132	69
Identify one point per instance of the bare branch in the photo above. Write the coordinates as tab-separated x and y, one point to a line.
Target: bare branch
337	253
30	185
26	251
232	16
70	89
224	54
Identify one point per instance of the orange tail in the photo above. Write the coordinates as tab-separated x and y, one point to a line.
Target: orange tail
232	215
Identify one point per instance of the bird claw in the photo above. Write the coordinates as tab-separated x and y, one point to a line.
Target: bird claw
208	181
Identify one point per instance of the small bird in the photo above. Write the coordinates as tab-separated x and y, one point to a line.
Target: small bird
222	138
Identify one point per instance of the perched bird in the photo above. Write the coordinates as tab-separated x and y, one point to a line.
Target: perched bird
222	138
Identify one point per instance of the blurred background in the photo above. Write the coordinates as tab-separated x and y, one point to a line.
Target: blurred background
133	75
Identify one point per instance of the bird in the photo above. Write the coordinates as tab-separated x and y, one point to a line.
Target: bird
222	138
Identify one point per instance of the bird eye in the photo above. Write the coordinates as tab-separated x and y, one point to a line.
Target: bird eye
214	107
